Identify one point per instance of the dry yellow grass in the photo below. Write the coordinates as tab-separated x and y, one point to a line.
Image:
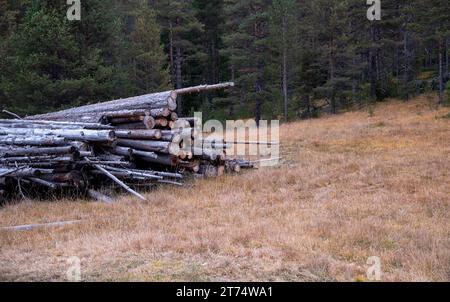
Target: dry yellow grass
350	187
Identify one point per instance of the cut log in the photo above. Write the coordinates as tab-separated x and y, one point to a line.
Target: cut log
174	138
125	113
163	159
38	151
153	134
131	126
85	153
44	183
159	100
33	140
36	159
161	122
144	154
193	166
19	173
70	134
126	120
180	124
174	116
122	151
204	88
153	146
52	124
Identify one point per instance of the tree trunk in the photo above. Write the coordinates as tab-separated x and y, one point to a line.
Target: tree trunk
285	76
446	71
406	65
372	66
333	74
179	79
441	77
171	56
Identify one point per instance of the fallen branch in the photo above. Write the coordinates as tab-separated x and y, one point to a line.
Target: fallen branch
100	197
118	181
12	114
29	227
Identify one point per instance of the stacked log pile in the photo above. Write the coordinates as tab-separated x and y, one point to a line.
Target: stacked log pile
130	142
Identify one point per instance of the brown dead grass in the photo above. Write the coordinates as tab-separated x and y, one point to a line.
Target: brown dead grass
350	187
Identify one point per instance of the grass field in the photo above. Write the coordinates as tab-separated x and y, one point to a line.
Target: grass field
349	187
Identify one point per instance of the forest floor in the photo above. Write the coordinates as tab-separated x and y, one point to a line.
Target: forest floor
350	187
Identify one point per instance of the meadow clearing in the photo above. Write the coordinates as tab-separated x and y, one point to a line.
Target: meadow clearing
349	187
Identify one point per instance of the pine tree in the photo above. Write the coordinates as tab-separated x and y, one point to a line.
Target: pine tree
11	14
181	30
247	47
283	40
434	27
148	71
332	15
47	67
212	63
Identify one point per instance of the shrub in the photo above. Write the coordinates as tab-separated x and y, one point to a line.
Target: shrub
447	95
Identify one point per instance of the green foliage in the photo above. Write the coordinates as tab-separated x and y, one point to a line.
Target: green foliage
47	69
50	62
324	54
447	95
148	72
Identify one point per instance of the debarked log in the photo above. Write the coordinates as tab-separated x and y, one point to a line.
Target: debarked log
153	134
70	134
49	124
150	101
160	112
33	140
153	146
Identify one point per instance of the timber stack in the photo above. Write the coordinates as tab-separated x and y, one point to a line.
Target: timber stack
138	141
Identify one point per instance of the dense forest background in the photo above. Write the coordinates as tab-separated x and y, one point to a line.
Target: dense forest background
289	58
